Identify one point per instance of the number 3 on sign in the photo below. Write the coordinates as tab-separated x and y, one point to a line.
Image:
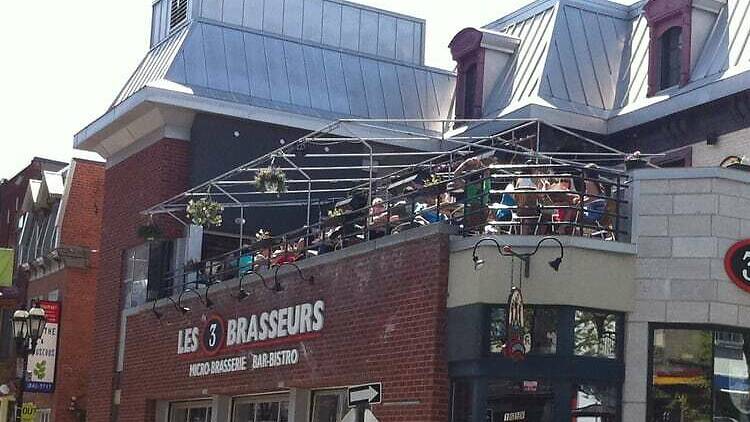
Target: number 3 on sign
737	264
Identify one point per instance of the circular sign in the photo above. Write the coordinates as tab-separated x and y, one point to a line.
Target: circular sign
212	338
737	264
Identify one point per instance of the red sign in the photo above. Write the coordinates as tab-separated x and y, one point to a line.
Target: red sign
737	264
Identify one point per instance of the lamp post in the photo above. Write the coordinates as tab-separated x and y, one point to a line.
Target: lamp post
28	327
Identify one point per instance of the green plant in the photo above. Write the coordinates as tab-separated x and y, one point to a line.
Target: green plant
40	369
205	212
336	212
271	180
433	180
150	232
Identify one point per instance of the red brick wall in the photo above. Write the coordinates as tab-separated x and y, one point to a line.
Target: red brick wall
384	321
81	227
147	178
74	349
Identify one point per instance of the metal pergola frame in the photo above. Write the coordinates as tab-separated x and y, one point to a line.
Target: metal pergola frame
306	185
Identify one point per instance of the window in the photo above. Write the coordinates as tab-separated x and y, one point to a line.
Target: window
670	65
328	406
147	272
470	92
261	409
595	334
190	412
43	415
594	403
135	276
54	295
178	11
699	375
540	331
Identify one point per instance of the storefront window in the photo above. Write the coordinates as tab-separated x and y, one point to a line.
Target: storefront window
594	403
328	406
190	412
595	334
510	400
540	331
254	409
700	375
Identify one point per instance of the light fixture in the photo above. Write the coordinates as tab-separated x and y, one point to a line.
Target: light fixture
177	306
277	287
243	294
37	323
507	250
478	263
185	309
20	324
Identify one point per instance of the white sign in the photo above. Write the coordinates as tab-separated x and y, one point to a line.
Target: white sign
41	365
275	359
289	324
219	366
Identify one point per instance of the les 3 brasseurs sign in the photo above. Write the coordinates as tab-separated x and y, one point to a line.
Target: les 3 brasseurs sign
256	333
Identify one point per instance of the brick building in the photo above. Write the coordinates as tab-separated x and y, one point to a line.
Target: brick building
12	193
605	337
57	251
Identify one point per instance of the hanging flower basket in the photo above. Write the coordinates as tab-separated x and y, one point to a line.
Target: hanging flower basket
205	212
271	180
150	232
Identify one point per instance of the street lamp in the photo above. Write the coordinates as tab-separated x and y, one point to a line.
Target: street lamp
28	327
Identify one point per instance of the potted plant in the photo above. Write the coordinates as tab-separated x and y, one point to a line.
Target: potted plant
335	217
432	185
635	161
150	232
205	212
271	180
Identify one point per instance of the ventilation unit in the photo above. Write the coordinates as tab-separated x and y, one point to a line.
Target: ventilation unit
178	12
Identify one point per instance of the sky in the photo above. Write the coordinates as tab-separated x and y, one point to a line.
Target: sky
65	61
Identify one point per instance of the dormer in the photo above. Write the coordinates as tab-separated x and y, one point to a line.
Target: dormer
167	17
678	31
483	57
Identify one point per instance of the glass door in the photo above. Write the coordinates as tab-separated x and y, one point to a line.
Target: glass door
328	406
190	411
261	409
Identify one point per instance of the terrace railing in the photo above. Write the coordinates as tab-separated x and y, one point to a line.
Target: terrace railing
529	199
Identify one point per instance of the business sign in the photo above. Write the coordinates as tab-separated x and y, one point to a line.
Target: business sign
737	264
365	394
28	412
41	365
516	347
219	336
251	361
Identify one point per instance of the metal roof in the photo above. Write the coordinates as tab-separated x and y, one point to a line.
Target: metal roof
590	60
371	69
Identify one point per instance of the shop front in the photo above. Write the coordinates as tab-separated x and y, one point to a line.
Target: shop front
287	348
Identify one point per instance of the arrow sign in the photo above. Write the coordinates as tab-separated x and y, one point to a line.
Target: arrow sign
365	394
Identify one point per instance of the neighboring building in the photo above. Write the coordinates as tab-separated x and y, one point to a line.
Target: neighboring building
58	238
12	192
640	323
